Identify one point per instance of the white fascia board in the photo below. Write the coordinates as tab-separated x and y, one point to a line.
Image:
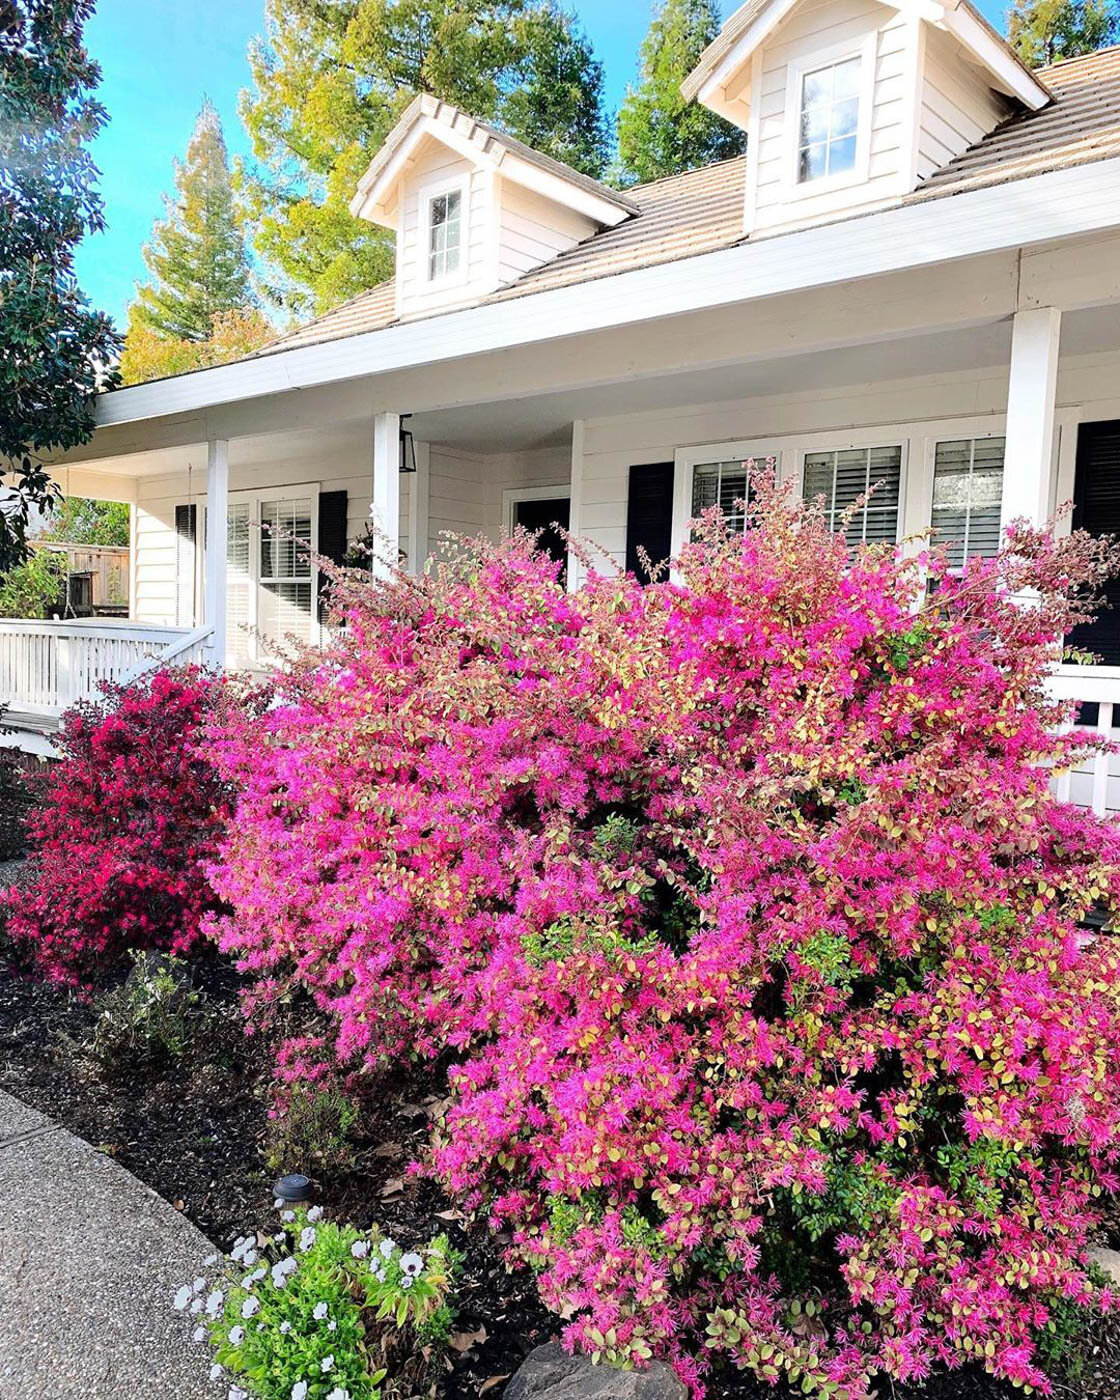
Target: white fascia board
374	202
740	51
1041	209
1009	74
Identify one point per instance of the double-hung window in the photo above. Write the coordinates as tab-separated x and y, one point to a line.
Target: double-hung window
967	492
843	475
722	484
829	120
285	606
445	234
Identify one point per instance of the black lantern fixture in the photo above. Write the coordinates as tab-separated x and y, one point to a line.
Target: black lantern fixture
408	447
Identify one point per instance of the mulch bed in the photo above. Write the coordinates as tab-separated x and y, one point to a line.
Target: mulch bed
194	1131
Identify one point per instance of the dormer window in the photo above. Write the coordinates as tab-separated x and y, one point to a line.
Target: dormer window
445	234
829	128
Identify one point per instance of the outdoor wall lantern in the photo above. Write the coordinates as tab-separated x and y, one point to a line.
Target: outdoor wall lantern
408	447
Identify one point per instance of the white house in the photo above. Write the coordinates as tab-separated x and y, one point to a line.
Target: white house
912	276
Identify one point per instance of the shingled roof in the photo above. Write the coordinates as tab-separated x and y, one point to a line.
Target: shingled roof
702	210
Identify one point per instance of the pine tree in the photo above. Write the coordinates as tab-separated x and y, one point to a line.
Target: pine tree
659	133
197	258
54	350
331	80
1043	31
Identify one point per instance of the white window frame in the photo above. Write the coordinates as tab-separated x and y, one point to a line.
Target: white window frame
428	194
513	495
865	50
687	459
309	490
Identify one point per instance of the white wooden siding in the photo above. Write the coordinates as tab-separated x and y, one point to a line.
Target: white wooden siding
533	230
958	107
434	165
466	489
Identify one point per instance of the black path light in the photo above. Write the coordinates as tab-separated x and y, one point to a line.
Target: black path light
293	1190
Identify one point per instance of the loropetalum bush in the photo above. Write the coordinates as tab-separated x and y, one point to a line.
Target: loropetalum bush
127	818
322	1311
743	915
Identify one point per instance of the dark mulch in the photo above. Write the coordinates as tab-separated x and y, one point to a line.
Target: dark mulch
194	1131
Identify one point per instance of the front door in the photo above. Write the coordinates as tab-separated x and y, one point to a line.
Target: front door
545	515
1096	508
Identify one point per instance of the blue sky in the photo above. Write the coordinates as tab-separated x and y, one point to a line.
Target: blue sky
160	57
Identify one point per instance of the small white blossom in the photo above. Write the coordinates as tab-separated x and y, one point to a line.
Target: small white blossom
214	1302
198	1285
315	1214
339	1394
327	1364
209	1261
307	1238
249	1258
332	1326
196	1306
359	1249
199	1334
319	1311
254	1277
215	1372
299	1390
285	1327
236	1336
387	1246
278	1204
289	1216
250	1307
236	1393
182	1298
407	1281
378	1273
241	1246
412	1265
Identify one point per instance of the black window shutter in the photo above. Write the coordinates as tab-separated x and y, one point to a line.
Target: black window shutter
332	537
649	516
186	533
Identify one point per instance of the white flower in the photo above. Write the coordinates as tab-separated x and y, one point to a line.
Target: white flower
199	1334
319	1311
249	1258
315	1214
250	1307
198	1285
209	1261
278	1204
407	1281
182	1298
299	1390
215	1372
386	1247
214	1302
327	1364
285	1327
307	1238
412	1265
196	1306
339	1394
241	1247
359	1249
378	1273
254	1277
289	1216
236	1336
332	1326
236	1393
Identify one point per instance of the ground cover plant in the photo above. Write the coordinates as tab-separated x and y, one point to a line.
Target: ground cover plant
124	823
741	918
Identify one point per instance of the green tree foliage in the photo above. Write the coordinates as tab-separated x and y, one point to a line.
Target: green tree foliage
78	520
35	587
1043	31
331	80
54	349
197	258
659	133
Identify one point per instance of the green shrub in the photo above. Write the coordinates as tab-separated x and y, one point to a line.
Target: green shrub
313	1131
152	1017
325	1312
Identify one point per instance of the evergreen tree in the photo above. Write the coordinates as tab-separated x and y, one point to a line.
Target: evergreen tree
331	80
659	133
197	259
1043	31
54	350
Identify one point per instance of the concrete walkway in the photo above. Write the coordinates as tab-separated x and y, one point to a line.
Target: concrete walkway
89	1262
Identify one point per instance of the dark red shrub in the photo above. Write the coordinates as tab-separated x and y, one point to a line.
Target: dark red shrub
129	816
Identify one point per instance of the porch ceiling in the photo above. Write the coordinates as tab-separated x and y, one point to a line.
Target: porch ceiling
545	419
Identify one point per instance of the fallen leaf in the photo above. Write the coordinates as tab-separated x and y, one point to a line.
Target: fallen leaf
450	1215
463	1341
491	1381
393	1187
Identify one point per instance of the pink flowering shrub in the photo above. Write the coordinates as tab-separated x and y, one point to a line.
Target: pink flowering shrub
741	918
127	818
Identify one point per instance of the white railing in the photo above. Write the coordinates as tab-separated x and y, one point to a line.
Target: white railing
45	667
1095	781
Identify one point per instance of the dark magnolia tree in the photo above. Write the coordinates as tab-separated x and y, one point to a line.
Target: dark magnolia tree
331	81
1044	31
659	133
55	350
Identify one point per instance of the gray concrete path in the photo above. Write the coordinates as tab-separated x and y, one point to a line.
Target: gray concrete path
89	1262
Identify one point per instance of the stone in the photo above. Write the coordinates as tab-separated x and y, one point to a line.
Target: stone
549	1373
1109	1261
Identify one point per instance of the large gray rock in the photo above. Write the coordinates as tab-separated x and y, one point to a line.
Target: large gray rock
549	1373
1109	1261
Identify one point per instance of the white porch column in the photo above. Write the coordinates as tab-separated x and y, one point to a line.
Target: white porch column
1029	454
385	505
217	531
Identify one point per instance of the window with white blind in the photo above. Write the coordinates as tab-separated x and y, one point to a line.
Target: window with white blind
285	569
843	475
967	492
722	484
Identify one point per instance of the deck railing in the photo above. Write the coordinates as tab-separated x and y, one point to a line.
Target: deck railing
1095	782
45	667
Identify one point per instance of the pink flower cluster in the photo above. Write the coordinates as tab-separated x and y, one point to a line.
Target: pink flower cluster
128	816
739	913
